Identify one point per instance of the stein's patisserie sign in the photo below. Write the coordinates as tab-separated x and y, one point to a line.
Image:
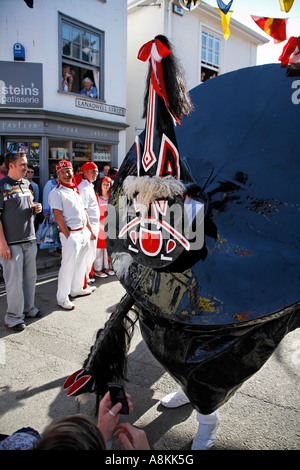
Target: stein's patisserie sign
21	85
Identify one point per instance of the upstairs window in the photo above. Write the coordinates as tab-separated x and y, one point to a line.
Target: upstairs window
210	55
82	59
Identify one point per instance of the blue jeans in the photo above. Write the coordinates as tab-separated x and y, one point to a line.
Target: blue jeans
19	274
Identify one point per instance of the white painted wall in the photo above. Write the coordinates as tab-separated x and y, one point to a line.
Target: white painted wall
37	30
144	23
142	27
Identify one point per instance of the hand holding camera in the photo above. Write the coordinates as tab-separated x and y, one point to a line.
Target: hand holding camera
115	402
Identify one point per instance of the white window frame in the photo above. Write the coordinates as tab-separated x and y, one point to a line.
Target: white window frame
96	70
209	30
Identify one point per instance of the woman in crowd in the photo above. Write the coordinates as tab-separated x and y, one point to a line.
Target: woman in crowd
101	264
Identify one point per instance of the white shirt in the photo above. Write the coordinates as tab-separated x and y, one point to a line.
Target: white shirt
90	203
70	203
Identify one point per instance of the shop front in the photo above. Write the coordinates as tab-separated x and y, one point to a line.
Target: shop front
47	137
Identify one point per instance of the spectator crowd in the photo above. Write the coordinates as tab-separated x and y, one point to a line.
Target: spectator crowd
71	216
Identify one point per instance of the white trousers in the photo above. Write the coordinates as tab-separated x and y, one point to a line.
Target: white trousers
91	256
208	419
101	260
72	271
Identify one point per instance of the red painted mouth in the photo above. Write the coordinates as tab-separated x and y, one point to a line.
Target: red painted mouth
150	241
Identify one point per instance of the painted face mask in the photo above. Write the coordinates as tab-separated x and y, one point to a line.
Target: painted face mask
161	217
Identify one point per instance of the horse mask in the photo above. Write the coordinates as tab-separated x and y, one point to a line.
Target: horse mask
203	232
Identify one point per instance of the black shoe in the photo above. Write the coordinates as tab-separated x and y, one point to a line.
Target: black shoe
18	327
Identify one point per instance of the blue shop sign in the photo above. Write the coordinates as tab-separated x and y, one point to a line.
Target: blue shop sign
19	51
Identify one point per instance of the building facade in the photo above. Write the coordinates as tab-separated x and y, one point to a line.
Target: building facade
197	38
49	116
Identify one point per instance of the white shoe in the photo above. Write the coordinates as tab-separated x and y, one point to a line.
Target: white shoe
206	435
100	275
110	273
83	292
175	399
67	305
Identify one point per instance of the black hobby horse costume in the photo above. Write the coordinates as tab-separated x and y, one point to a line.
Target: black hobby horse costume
206	238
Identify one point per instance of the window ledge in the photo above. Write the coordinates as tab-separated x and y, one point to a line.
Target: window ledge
79	95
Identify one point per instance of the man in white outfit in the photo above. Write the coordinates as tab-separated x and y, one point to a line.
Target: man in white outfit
86	189
71	218
208	424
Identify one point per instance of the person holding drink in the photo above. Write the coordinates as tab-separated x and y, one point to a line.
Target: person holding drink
18	246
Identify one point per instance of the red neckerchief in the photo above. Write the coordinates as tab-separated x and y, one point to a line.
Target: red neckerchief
77	178
72	185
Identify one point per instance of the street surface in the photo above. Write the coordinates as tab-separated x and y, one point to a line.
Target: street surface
263	415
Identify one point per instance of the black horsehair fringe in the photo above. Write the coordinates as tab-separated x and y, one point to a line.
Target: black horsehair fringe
178	95
107	360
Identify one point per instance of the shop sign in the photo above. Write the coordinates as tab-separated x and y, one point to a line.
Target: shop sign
21	127
21	85
102	107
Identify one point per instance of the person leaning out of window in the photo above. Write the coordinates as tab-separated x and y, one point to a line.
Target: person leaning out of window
67	78
89	89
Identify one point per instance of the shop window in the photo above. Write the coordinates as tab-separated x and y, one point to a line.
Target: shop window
82	57
82	152
102	154
58	150
210	55
32	150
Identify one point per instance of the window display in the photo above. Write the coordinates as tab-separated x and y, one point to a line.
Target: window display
32	150
102	153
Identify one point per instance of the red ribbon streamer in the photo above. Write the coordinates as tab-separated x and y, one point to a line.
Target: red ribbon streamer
155	51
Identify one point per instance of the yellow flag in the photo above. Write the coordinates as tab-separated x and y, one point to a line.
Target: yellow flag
286	5
225	22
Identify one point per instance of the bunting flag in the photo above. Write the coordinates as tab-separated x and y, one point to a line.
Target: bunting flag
291	52
29	3
224	8
286	5
189	4
225	22
275	27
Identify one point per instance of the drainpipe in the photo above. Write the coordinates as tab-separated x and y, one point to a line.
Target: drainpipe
170	18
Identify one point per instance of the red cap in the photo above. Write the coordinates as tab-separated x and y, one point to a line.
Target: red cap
89	166
63	164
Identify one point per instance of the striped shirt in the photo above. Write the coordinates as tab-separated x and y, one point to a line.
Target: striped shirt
16	212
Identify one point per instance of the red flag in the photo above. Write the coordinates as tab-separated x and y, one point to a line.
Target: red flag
291	52
275	27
